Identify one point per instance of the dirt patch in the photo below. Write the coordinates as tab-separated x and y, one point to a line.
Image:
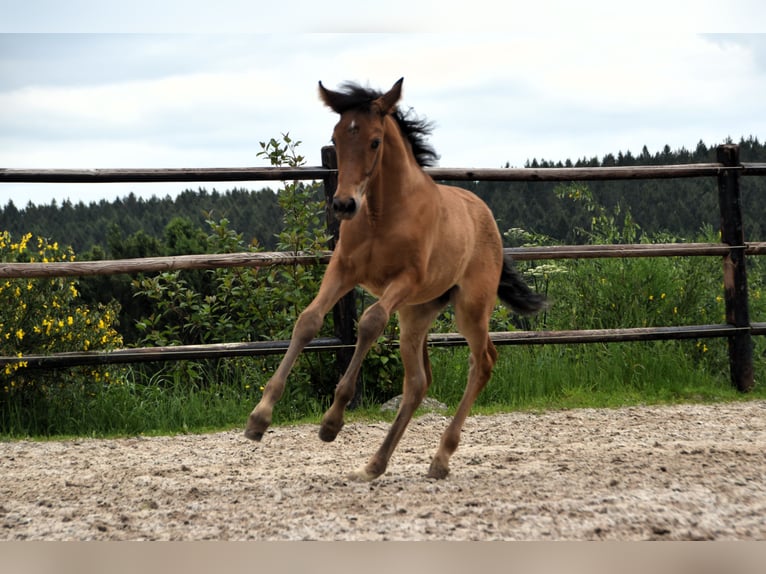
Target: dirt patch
670	473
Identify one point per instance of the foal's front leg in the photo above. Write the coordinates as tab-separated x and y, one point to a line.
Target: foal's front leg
371	326
306	328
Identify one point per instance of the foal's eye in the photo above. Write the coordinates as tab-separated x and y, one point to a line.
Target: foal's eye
375	143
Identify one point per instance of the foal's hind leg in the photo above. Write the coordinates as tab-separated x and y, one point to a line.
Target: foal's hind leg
472	319
414	323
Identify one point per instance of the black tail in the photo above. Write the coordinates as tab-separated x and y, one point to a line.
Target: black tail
514	291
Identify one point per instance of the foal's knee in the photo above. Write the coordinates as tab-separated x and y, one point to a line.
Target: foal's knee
372	323
307	326
485	367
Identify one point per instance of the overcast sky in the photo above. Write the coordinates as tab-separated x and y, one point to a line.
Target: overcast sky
201	88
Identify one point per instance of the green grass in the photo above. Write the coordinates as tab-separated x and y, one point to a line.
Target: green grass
597	376
525	378
125	410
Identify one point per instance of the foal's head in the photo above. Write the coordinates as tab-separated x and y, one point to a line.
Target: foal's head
359	139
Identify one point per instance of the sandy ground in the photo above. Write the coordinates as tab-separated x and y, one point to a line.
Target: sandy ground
667	473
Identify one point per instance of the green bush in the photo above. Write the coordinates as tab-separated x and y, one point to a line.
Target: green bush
249	304
637	292
42	316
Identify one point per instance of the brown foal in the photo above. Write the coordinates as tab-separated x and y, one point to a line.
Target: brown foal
415	245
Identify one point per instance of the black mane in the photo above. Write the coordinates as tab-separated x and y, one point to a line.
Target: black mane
415	130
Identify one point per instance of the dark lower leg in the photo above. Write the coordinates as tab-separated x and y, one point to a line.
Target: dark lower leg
413	391
379	461
371	325
480	372
305	330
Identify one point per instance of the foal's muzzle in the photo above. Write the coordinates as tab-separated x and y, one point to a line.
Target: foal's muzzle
344	208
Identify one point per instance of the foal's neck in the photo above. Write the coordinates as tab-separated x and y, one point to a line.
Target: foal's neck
397	180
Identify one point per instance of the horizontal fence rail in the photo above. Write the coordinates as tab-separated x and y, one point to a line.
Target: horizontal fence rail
171	353
271	258
733	249
262	348
160	264
309	173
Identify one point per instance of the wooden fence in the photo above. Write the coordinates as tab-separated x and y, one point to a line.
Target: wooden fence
738	329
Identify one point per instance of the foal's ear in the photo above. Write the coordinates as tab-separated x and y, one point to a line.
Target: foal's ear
331	99
387	101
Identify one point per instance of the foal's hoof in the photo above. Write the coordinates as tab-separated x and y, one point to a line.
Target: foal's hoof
329	428
362	475
255	428
438	471
253	435
328	431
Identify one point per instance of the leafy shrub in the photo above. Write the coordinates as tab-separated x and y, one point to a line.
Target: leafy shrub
44	315
249	304
635	292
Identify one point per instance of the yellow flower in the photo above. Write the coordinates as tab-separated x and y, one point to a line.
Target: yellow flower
20	334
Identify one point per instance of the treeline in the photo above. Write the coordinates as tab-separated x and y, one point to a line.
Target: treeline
133	227
107	224
679	207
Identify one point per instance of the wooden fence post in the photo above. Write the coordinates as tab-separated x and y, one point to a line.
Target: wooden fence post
344	312
734	269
